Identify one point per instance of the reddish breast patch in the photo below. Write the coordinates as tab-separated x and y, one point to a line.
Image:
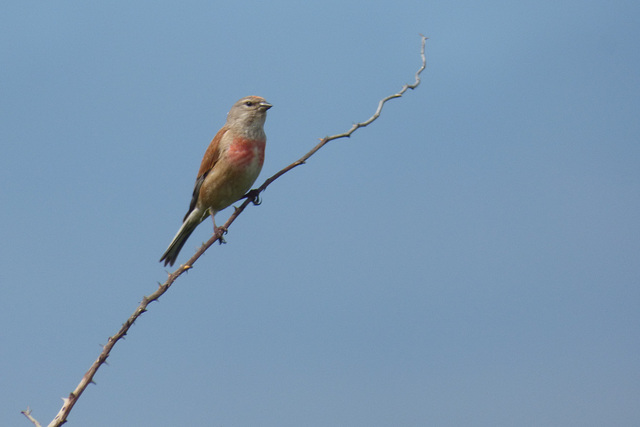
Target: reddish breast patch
246	152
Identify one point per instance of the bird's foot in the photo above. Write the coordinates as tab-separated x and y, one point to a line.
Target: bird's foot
253	196
220	232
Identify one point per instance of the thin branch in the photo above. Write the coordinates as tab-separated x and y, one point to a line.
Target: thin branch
252	197
27	413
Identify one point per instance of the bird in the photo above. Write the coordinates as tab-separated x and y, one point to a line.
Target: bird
230	166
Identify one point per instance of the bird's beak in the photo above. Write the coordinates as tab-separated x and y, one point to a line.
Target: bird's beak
265	105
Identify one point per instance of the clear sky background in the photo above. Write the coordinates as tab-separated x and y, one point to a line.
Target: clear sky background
470	259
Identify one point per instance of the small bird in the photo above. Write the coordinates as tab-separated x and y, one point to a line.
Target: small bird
229	168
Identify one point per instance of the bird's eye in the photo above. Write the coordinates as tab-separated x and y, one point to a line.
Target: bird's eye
248	103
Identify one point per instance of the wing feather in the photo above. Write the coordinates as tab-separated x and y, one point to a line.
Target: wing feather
209	160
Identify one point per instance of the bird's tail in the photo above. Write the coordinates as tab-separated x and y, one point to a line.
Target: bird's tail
190	223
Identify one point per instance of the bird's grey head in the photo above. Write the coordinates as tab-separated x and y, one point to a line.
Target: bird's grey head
250	110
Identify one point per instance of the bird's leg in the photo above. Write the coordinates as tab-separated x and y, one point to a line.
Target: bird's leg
219	231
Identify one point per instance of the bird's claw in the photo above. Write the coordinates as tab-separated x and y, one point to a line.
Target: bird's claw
254	196
220	232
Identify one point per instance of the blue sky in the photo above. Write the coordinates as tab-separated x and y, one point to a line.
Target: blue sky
472	258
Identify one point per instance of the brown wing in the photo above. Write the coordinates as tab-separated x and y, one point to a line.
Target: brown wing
209	160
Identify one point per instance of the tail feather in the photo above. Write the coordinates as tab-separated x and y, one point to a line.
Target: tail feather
190	223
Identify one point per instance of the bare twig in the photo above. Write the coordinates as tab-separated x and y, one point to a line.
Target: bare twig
27	413
252	197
